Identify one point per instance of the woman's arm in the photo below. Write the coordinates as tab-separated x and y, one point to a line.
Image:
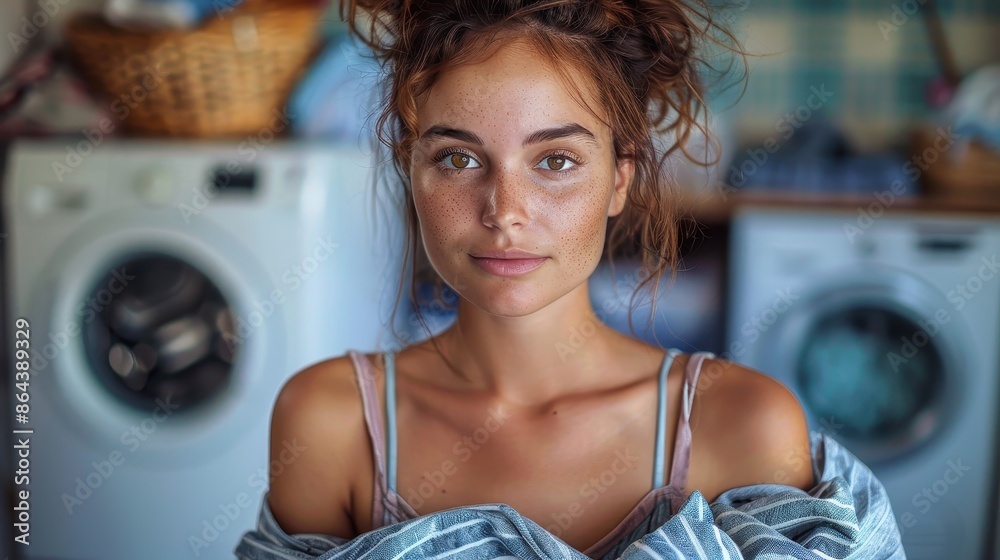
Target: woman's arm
748	428
316	429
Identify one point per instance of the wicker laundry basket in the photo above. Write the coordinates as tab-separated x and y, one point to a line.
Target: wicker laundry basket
230	77
955	168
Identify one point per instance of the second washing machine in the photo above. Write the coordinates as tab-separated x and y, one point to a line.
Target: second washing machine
887	330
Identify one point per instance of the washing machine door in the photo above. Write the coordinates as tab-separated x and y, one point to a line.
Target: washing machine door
156	326
875	360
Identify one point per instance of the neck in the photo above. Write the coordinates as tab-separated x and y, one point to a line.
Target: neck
533	359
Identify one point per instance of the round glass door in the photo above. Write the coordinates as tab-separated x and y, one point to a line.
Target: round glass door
873	377
158	330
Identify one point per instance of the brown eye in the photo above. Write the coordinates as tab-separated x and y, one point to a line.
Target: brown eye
557	163
457	161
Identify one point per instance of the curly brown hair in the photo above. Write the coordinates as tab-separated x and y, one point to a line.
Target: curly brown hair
647	67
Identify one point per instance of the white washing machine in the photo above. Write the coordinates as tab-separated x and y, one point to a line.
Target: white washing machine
887	330
171	289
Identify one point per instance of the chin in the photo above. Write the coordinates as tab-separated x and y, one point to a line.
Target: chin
503	298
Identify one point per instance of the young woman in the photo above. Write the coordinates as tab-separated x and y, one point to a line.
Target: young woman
525	136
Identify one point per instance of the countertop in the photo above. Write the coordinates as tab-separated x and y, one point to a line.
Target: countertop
717	208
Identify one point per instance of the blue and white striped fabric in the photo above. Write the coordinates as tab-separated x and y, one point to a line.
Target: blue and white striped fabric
845	516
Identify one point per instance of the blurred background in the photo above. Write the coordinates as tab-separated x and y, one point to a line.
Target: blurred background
191	214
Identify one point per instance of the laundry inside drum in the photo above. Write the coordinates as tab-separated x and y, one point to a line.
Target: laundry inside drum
871	374
156	329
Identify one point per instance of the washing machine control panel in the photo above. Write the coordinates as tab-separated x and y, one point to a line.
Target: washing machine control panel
156	186
43	199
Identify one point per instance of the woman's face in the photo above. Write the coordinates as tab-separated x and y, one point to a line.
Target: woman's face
506	159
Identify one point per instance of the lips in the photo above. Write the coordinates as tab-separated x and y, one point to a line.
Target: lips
505	254
508	267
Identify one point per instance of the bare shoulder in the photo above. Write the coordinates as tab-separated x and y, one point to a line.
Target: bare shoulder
748	428
317	433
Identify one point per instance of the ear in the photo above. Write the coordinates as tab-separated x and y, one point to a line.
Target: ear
624	171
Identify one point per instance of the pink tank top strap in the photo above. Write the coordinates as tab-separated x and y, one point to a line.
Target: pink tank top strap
682	441
365	374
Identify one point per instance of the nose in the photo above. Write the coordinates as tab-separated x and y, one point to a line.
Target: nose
505	206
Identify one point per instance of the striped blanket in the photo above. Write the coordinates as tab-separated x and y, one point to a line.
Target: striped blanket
846	515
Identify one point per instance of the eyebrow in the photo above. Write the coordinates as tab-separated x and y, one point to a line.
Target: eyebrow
439	131
564	131
538	136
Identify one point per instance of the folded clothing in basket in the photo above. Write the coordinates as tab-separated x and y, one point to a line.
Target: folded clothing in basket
181	14
339	93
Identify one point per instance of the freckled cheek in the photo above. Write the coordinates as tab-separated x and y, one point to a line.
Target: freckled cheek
586	226
445	215
579	222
